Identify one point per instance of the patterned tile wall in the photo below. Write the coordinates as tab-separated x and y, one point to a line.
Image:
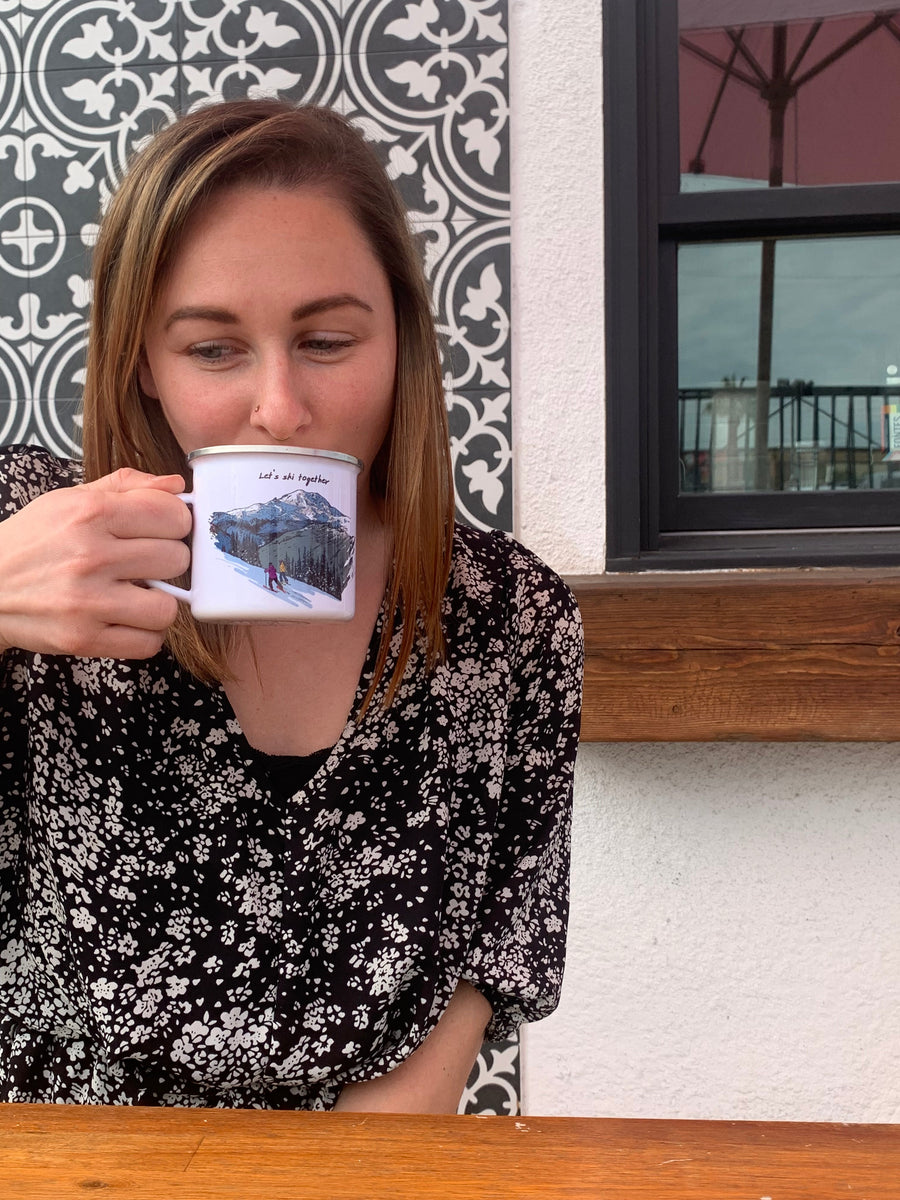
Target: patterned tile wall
83	82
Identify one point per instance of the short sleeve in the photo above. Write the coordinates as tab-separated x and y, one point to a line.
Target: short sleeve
518	953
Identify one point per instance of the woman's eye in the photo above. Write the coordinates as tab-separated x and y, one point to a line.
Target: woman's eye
324	346
211	352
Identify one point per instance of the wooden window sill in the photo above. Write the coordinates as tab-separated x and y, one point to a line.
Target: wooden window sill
788	655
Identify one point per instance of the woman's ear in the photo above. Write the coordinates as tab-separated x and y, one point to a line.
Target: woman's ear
145	377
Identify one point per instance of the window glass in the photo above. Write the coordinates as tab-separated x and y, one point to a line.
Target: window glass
787	92
789	364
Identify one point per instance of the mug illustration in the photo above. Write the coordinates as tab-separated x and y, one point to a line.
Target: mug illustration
298	536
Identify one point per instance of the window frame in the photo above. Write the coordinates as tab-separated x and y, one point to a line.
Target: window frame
645	218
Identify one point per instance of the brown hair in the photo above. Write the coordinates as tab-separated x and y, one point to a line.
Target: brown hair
270	143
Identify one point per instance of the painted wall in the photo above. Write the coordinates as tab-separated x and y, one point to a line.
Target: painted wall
735	910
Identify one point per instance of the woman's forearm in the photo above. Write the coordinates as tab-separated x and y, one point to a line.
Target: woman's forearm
432	1079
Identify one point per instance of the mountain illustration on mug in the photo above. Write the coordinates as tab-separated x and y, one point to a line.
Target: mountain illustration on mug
300	534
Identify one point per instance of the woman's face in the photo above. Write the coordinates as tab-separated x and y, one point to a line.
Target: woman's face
275	325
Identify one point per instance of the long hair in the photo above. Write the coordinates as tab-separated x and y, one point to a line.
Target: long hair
269	143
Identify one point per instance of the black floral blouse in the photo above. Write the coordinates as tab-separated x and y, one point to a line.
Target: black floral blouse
174	931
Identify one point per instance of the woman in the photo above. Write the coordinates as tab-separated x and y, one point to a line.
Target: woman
303	865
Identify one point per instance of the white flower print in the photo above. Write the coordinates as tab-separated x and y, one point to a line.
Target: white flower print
148	1002
176	986
12	950
330	938
395	929
126	945
82	919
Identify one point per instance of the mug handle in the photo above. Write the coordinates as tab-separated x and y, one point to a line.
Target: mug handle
164	586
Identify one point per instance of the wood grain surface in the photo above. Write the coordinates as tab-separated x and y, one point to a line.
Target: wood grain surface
768	656
62	1152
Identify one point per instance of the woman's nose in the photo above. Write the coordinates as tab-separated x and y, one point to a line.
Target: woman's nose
280	407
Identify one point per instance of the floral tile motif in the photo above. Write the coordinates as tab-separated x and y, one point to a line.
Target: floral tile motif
289	48
42	341
442	121
494	1085
115	34
15	370
301	80
15	258
468	266
482	457
82	124
248	32
11	184
90	79
59	299
84	82
12	187
372	25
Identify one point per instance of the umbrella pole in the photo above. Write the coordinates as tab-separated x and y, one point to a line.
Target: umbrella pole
764	363
777	94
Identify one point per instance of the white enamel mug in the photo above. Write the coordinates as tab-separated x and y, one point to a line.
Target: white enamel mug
274	534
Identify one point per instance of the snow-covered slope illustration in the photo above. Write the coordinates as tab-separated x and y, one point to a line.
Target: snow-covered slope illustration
301	530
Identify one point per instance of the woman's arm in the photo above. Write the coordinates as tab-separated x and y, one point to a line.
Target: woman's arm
432	1079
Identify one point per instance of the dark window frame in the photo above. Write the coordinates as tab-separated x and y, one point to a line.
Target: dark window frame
644	220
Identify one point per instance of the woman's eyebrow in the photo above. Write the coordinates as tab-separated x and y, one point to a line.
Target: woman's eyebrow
222	316
342	300
199	313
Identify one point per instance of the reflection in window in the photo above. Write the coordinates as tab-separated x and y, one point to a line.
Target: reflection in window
768	98
795	386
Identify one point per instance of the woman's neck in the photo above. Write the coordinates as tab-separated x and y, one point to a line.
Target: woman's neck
295	683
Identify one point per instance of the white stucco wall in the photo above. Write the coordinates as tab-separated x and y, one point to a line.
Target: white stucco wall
557	280
734	948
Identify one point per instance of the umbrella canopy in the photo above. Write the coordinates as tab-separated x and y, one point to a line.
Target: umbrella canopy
716	14
789	91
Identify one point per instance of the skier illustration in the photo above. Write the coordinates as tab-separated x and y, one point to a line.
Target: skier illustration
272	578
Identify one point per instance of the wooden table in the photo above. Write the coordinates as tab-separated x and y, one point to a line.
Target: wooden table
61	1152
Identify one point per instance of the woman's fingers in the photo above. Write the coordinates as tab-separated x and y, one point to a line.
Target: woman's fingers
127	479
68	562
152	558
145	513
131	606
122	641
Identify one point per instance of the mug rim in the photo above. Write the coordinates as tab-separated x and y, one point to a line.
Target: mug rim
335	455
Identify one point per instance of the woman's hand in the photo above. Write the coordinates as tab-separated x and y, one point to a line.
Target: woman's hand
69	559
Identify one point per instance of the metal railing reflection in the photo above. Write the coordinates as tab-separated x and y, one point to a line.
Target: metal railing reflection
820	437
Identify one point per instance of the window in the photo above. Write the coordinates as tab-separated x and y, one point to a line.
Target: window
753	297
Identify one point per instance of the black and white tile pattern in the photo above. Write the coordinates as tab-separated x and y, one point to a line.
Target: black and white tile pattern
84	82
